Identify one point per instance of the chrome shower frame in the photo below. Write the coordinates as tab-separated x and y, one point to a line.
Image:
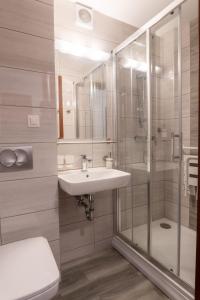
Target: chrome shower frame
172	285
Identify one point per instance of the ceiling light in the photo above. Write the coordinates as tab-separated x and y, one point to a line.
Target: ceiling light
81	51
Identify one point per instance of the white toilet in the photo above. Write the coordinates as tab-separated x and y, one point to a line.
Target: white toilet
28	270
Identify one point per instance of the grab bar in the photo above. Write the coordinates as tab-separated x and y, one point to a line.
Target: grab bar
174	137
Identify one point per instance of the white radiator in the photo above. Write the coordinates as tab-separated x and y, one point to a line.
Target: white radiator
190	174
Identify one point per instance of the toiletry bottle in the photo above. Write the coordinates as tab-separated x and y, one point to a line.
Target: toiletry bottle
109	162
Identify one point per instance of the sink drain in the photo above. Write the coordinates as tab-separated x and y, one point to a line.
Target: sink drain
165	225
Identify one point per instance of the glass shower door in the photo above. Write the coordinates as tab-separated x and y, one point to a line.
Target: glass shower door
132	141
149	141
166	142
157	212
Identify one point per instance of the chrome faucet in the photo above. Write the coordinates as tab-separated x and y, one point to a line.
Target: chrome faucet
85	161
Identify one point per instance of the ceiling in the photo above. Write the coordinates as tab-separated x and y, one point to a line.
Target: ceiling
133	12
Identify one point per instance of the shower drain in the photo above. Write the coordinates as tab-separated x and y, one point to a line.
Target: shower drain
165	225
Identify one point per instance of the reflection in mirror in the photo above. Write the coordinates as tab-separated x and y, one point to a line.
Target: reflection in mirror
85	108
84	39
92	115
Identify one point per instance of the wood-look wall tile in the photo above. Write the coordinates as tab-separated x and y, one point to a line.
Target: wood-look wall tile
103	245
99	151
23	51
76	235
171	211
25	88
28	195
103	227
158	210
75	151
43	223
126	198
32	17
69	211
140	215
103	204
72	255
14	125
126	219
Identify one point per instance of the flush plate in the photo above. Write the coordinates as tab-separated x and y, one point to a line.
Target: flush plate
16	158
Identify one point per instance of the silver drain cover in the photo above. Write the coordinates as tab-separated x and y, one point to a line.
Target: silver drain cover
165	225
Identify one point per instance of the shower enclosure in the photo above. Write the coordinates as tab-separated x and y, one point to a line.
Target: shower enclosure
157	109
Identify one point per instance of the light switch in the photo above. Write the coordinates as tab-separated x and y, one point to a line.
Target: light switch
33	121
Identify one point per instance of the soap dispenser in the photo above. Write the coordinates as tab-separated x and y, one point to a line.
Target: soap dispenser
109	161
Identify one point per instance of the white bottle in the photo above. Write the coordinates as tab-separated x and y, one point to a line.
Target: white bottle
109	162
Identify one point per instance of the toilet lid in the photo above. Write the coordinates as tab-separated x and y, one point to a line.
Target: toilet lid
27	268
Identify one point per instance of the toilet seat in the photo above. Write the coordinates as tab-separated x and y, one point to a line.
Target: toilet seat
28	270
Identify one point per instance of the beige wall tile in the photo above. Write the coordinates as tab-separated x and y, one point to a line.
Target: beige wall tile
19	50
103	227
171	211
125	197
103	245
28	195
24	88
26	45
140	196
158	210
44	223
126	219
138	172
76	235
134	151
103	204
99	151
67	256
33	17
14	125
185	216
171	192
69	211
76	150
140	215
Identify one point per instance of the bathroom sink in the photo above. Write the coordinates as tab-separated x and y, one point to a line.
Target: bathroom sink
77	182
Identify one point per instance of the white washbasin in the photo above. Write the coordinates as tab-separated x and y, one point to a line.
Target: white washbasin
77	182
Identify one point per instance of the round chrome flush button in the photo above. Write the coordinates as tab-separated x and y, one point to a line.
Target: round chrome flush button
22	157
8	158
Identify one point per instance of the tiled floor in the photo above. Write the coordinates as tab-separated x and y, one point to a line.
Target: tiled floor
105	276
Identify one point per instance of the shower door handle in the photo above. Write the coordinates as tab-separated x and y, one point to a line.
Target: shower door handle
175	142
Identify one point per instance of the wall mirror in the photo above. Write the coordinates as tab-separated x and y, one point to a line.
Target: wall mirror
84	39
83	76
